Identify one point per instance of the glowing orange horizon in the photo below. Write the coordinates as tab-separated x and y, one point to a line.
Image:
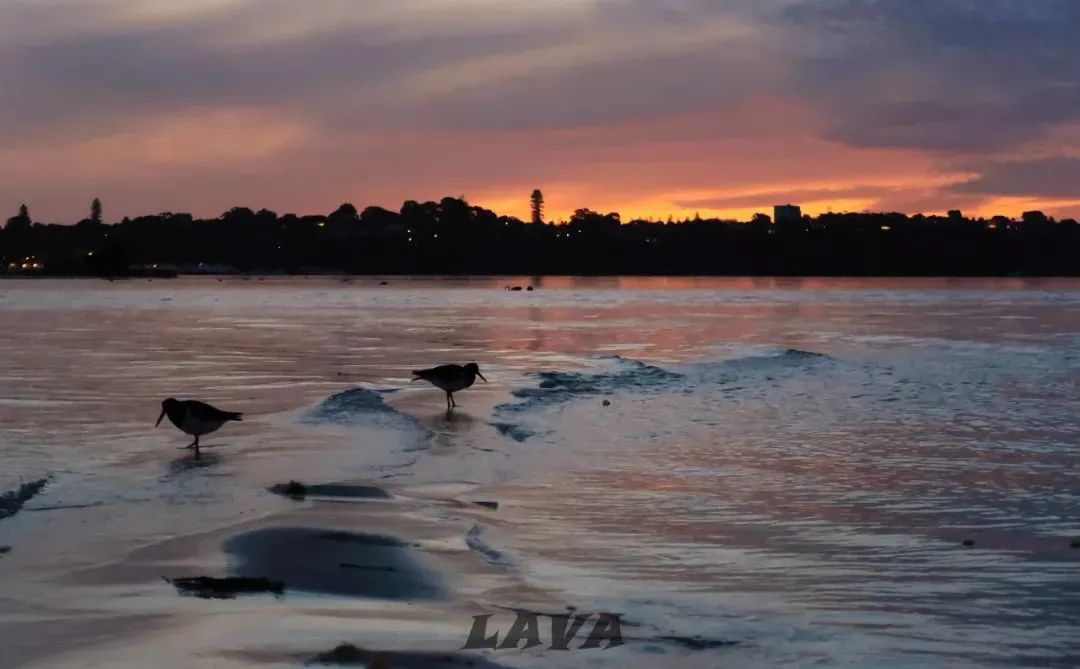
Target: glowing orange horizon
601	105
1009	207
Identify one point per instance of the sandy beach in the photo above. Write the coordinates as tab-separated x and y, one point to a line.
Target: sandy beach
396	570
742	474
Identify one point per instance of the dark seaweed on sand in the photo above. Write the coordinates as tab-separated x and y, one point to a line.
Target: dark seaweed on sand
208	587
347	654
696	642
294	489
13	500
298	491
368	567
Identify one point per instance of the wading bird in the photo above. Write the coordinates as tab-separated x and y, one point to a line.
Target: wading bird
450	378
195	418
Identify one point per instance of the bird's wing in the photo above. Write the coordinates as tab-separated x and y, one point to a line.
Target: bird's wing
440	372
204	411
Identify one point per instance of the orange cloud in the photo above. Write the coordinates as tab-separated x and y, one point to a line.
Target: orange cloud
650	109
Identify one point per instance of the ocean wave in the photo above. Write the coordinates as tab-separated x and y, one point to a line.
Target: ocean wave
558	387
765	361
348	406
515	431
797	353
629	376
364	407
749	352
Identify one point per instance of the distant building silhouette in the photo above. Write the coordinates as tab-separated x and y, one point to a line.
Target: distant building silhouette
788	218
955	215
536	205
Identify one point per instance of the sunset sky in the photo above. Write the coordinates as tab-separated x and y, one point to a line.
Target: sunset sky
647	107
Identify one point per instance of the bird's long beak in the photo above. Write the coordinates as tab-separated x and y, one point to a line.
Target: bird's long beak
159	418
481	377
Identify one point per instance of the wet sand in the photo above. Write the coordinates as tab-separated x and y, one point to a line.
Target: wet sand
334	562
788	485
397	569
351	655
360	564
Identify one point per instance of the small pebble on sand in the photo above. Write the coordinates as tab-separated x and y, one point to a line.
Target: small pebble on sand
607	403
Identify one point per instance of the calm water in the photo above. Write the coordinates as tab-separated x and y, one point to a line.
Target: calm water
789	465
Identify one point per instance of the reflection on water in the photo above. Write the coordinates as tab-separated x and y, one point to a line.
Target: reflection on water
793	464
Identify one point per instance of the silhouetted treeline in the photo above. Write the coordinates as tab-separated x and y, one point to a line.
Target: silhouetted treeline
453	237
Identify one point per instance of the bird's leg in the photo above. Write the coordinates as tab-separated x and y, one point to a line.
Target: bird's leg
452	402
196	444
447	401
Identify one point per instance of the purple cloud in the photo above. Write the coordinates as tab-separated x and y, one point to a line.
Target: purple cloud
1055	177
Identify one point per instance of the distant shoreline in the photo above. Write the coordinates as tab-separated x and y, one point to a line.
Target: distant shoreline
453	237
493	275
